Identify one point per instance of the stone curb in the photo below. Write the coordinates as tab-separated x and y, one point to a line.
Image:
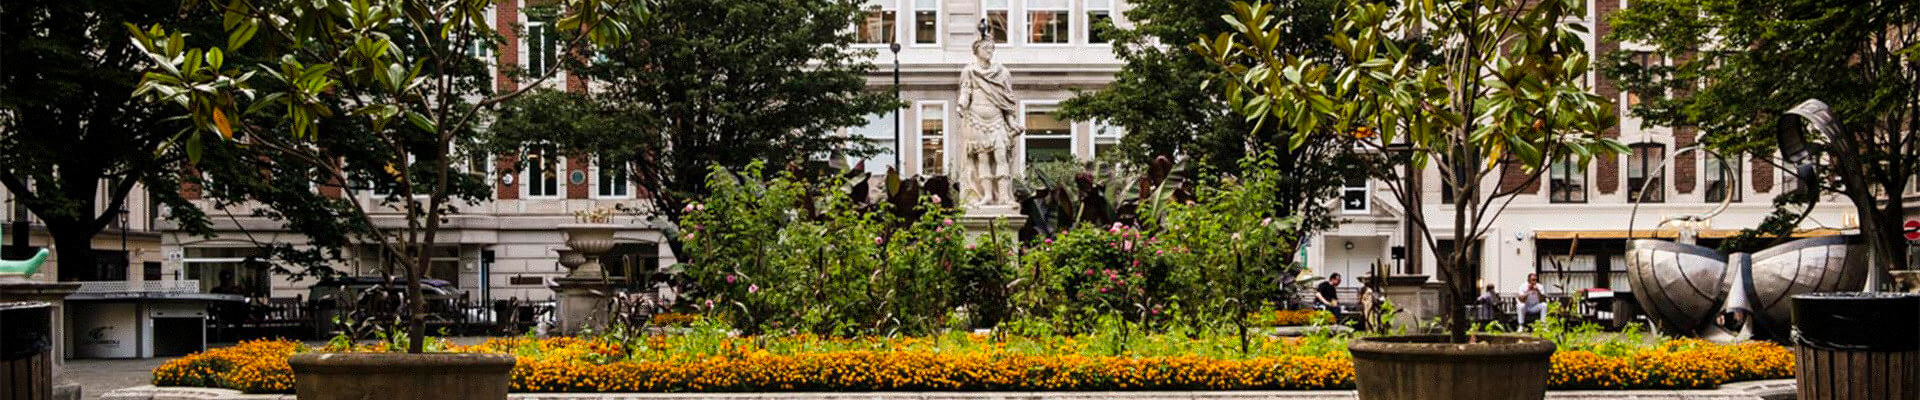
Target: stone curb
1757	390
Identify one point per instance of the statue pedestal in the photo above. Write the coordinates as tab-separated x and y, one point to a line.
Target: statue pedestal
584	303
981	220
1417	299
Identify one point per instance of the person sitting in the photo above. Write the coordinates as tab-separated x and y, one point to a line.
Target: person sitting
1533	301
1326	296
1488	305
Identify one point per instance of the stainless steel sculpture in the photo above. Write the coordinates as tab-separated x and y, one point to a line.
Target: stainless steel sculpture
1691	290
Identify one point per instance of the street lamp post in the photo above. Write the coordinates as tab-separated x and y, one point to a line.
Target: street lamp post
898	155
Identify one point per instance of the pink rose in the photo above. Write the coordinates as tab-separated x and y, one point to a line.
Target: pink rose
936	198
753	288
948	221
730	278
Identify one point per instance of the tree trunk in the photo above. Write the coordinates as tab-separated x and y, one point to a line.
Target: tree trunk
74	249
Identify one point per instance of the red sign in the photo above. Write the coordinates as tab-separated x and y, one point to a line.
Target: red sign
1913	230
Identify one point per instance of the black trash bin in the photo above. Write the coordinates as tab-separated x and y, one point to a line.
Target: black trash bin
1862	346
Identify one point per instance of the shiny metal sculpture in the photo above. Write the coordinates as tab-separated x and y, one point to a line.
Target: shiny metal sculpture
1691	290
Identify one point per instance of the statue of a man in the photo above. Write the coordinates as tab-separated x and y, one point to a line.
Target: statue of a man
993	124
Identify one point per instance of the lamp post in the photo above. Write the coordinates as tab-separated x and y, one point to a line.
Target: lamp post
898	155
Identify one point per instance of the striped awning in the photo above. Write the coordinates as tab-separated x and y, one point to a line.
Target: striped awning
1665	233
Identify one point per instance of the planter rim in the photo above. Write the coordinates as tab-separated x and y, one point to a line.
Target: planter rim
1438	347
447	363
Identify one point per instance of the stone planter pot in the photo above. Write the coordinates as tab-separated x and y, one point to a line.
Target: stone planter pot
436	376
1430	368
591	241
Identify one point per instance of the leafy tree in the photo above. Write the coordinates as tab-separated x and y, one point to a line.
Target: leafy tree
1737	66
724	82
69	126
355	96
1161	97
1502	88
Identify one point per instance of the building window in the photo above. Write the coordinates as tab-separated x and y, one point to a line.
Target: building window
1643	59
876	27
1354	196
1723	178
1644	170
542	45
543	172
1048	137
1099	14
997	13
1049	21
610	179
878	131
228	270
926	21
933	138
1105	137
1567	182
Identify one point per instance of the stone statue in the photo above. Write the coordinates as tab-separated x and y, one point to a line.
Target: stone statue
991	112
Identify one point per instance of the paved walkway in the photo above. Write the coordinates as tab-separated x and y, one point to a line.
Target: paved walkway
97	377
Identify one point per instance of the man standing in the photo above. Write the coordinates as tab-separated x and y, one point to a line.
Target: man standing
1327	295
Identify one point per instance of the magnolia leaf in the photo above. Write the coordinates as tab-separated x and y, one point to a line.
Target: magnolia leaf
220	122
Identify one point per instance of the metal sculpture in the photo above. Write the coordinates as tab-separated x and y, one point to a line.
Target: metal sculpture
22	268
1695	291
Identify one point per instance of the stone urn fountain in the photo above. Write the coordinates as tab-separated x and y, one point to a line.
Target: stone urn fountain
585	294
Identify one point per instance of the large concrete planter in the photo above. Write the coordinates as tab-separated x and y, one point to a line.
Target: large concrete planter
356	376
1430	368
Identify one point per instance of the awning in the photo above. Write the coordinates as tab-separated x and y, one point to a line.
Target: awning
1667	233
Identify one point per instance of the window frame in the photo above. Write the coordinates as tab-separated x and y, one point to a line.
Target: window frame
1566	167
527	37
1366	192
986	12
1020	150
1647	163
599	191
893	30
559	167
920	139
1112	139
939	23
1710	176
1087	9
854	132
1026	23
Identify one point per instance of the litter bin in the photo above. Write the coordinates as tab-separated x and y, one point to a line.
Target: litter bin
1857	346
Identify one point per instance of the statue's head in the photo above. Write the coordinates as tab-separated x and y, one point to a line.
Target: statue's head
983	49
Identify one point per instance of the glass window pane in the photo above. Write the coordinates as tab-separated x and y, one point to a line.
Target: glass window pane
1040	150
926	27
876	27
1048	26
1048	137
997	23
879	131
1098	21
933	139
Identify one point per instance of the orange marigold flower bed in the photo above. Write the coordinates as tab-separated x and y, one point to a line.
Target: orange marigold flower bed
664	364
